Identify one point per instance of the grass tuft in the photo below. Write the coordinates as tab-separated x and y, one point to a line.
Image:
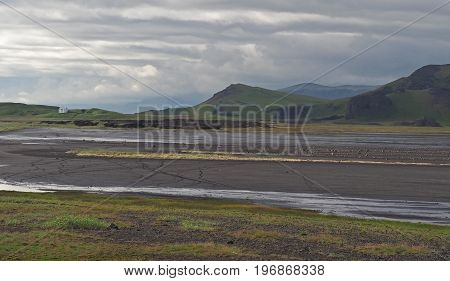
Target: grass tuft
196	250
76	222
202	225
324	238
389	250
259	234
10	222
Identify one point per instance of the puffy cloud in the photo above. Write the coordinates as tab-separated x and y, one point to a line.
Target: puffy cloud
189	49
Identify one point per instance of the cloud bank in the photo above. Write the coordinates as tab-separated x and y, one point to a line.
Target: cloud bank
189	49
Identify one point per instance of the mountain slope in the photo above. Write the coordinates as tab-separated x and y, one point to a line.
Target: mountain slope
425	93
239	94
326	92
20	110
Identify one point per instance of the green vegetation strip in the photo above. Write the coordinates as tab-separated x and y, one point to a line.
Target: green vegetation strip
12	124
80	226
182	155
227	156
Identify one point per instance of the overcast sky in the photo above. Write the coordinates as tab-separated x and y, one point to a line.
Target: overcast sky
190	49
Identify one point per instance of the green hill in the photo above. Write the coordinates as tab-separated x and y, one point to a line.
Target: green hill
239	94
272	102
425	93
26	111
424	96
331	110
328	92
88	114
22	110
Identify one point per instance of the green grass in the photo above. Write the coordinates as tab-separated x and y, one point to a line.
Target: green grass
259	234
386	250
414	105
343	128
7	126
222	156
197	250
64	245
422	94
168	218
19	109
12	126
11	222
198	224
88	114
74	226
330	108
324	238
24	122
186	155
25	112
76	222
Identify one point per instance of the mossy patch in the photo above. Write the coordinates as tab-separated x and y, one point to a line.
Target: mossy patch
324	238
196	250
198	224
389	250
76	222
259	234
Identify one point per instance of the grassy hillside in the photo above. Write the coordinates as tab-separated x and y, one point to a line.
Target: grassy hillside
426	93
327	92
87	114
19	111
239	94
331	110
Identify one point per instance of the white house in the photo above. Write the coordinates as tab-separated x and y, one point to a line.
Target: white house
63	110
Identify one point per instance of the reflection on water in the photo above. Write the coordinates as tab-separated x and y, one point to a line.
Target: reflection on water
414	211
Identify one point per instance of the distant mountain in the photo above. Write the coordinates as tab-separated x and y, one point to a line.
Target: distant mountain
269	100
327	92
423	98
240	94
423	94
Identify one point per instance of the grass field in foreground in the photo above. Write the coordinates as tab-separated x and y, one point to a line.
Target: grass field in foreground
78	226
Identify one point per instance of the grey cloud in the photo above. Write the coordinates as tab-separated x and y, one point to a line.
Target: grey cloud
193	48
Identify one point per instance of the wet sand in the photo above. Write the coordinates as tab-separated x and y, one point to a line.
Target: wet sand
403	192
370	147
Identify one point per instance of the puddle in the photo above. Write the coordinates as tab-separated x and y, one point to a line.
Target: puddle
38	143
17	188
412	211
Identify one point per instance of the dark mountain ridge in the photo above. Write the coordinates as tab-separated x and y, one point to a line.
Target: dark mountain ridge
425	93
